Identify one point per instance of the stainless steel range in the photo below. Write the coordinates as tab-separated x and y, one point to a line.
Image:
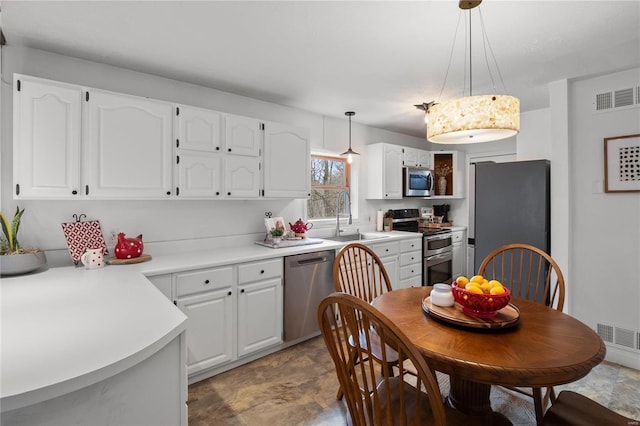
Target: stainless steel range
437	246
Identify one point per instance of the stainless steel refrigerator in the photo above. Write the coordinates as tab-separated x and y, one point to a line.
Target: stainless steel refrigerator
508	203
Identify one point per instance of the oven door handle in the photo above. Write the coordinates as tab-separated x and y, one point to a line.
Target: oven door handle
438	237
439	258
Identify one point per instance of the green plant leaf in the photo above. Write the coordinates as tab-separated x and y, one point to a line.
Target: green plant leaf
7	231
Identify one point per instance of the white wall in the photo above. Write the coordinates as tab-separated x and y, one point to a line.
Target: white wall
605	227
171	220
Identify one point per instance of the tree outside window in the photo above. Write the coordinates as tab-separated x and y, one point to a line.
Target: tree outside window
329	177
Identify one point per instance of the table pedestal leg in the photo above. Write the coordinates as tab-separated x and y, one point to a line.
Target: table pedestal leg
472	399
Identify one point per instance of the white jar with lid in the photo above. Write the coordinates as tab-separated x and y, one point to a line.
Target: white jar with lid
441	295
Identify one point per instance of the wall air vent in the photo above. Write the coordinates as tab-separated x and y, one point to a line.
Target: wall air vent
605	332
617	99
619	336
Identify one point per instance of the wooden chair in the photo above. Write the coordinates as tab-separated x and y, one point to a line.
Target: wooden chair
358	271
573	409
374	395
531	274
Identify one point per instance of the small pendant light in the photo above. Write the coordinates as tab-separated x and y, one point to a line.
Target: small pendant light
350	152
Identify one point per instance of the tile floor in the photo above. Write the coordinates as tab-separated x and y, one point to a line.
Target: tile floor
297	386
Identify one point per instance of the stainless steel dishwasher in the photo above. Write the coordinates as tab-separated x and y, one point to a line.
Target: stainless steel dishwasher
308	278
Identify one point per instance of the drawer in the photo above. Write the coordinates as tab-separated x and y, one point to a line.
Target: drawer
410	271
386	249
411	282
254	271
456	237
203	280
410	258
411	245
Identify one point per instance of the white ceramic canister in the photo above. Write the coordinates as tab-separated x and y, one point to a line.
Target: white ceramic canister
441	295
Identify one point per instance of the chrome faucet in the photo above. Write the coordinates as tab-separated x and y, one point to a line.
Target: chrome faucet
347	203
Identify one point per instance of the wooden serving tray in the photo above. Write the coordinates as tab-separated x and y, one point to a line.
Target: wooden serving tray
142	258
504	318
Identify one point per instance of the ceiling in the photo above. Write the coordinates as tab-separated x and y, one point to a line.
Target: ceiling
376	58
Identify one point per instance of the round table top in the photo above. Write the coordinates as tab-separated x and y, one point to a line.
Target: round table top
546	348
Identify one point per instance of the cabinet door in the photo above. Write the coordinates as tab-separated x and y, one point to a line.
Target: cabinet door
459	262
243	135
46	138
424	158
198	129
392	172
287	161
199	175
393	270
128	146
210	329
409	157
259	315
241	176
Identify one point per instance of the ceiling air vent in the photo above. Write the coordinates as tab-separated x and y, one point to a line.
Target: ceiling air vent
617	99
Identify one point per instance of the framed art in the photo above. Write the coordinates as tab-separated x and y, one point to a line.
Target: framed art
622	164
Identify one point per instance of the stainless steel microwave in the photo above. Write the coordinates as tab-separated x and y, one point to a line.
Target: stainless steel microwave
417	182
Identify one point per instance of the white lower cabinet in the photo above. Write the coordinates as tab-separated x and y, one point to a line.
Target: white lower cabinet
259	315
410	263
210	329
388	254
233	311
459	262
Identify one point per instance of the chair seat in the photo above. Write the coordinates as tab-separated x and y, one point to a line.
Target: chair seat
573	409
376	349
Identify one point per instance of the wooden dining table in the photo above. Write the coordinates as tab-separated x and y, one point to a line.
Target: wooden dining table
544	347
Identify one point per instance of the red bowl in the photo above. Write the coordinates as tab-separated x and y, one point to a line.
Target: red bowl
480	305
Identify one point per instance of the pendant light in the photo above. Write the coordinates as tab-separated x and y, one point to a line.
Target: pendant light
472	118
350	152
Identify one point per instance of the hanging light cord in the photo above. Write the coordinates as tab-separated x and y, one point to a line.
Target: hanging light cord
349	133
485	40
453	45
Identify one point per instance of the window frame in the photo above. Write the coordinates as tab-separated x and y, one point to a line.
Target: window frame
347	173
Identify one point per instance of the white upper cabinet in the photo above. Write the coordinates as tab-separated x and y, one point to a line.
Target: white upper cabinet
241	177
128	146
46	138
243	135
455	181
199	175
384	171
413	157
287	161
198	129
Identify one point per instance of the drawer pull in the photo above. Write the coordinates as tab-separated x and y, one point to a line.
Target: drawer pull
206	281
242	291
229	294
262	271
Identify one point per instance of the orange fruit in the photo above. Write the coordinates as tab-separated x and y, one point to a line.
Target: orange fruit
497	290
494	283
474	289
485	286
477	279
462	281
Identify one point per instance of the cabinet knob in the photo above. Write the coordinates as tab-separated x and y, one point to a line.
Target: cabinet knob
206	281
229	150
262	272
228	193
74	192
168	192
242	291
386	250
229	294
217	192
217	148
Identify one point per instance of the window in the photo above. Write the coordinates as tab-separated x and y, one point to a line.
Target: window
329	177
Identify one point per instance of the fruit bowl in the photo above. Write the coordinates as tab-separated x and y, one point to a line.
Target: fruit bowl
480	305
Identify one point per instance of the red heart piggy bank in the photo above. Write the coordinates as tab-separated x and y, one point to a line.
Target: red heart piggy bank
128	248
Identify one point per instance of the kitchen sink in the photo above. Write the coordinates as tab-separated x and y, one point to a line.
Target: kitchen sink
356	237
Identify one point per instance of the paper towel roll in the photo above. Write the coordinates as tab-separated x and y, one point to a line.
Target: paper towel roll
379	221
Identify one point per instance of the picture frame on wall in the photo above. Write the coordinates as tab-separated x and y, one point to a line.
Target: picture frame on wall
622	164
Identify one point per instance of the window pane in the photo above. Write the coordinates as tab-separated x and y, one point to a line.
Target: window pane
322	203
327	172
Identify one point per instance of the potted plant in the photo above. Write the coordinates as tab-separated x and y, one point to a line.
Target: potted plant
276	235
14	259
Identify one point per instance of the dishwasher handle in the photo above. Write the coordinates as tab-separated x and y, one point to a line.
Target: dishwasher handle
311	261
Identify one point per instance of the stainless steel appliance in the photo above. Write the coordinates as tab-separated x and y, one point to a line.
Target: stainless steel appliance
417	182
437	246
509	203
308	278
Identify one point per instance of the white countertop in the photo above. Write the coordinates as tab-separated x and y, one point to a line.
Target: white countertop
66	328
